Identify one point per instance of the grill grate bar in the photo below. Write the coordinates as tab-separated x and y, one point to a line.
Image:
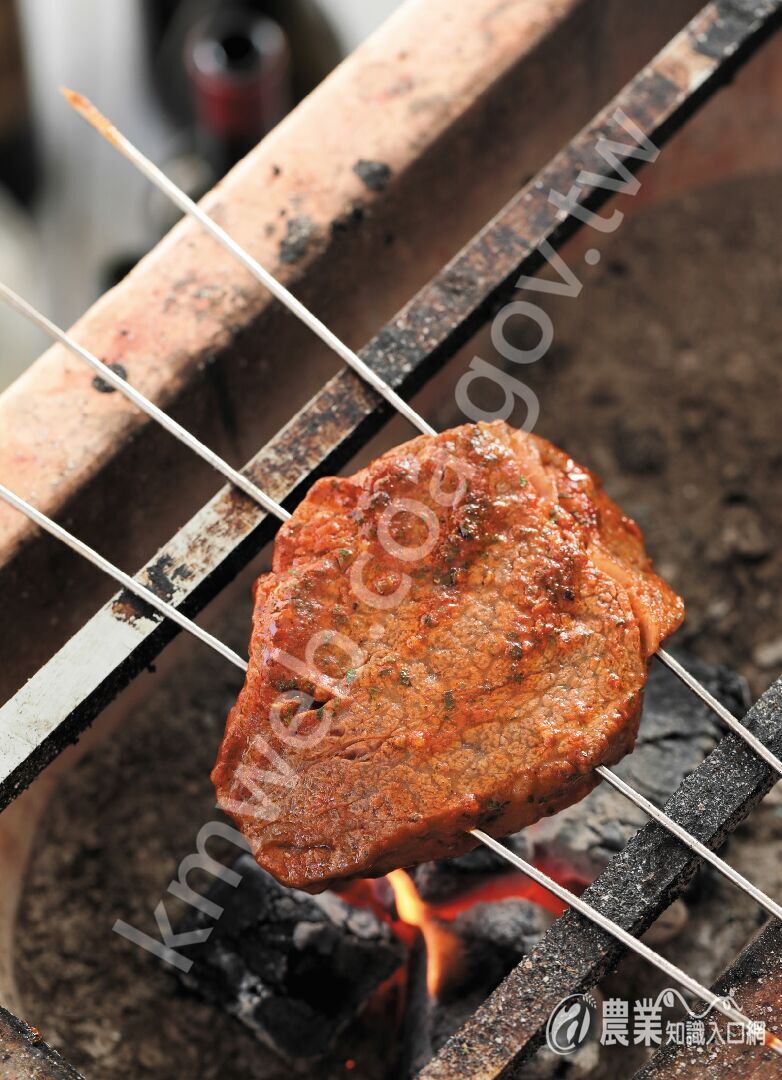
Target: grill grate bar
161	607
690	841
169	611
621	935
574	902
635	888
753	980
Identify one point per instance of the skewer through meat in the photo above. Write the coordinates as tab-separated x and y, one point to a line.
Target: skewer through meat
455	637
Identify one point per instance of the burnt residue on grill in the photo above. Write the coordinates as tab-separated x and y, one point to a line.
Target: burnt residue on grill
727	21
128	608
102	386
300	233
347	222
163	575
25	1056
376	175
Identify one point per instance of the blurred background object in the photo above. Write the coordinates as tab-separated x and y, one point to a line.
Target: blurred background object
18	159
196	83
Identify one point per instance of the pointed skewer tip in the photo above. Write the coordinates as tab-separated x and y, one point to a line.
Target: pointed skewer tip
91	113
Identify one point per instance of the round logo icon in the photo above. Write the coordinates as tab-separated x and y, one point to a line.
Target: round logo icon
569	1024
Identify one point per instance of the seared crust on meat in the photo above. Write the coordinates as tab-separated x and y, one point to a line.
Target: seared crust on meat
464	628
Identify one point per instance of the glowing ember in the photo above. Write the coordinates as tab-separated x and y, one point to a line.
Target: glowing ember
510	886
443	949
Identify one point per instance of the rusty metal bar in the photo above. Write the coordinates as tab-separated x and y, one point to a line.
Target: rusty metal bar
25	1056
754	980
69	691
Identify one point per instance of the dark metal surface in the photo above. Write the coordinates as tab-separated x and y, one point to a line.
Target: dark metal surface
754	981
636	887
25	1056
123	638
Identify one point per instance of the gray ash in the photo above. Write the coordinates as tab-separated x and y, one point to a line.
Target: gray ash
296	969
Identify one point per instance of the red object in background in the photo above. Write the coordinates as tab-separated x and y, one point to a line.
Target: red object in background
239	65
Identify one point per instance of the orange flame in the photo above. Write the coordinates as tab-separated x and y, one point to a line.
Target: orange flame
443	946
443	949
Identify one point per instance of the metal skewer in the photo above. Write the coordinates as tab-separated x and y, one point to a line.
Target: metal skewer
622	935
249	488
717	707
103	126
26	309
15	301
690	841
118	383
170	612
260	496
188	206
93	116
127	582
107	129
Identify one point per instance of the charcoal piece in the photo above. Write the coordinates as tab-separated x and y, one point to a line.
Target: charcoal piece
445	879
296	969
677	731
494	937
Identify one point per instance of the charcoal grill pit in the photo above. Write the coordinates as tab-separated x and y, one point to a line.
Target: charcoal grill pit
122	639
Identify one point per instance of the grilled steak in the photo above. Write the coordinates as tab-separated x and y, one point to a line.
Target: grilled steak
452	638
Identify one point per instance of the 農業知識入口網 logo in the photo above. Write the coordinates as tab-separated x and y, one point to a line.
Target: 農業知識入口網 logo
570	1023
